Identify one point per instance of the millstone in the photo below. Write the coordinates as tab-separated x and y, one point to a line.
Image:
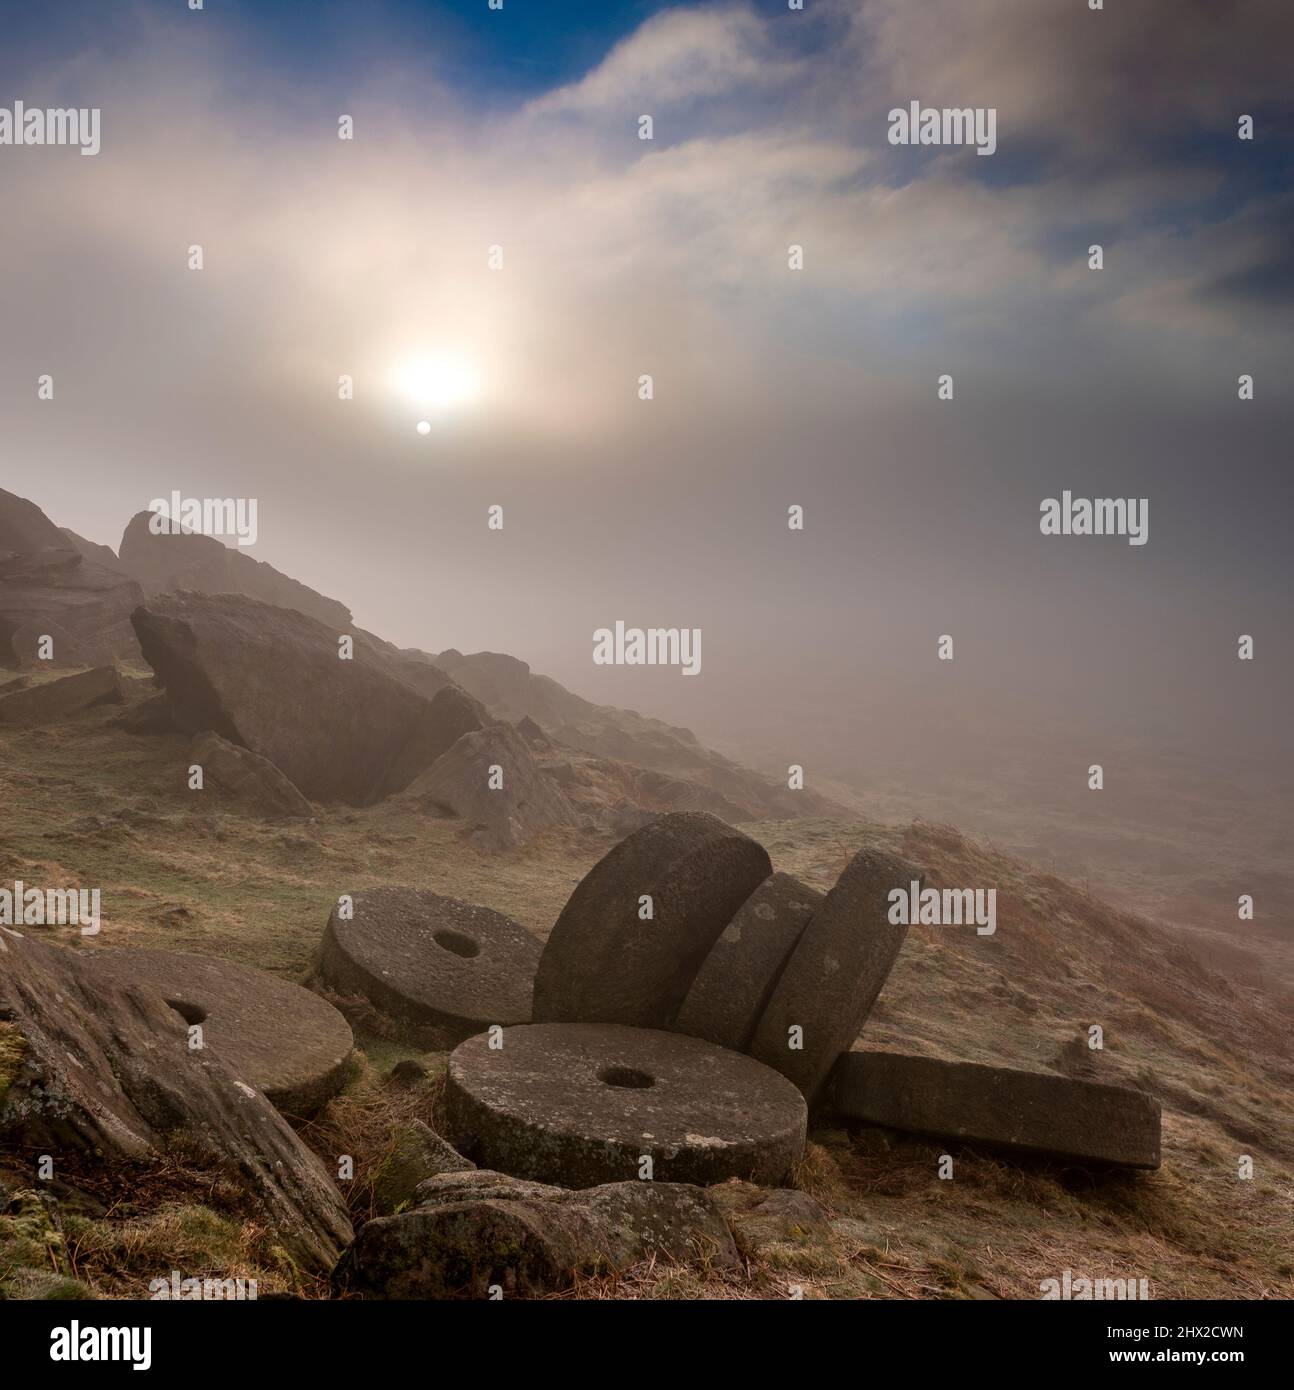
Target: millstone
1031	1112
732	988
605	962
432	960
580	1104
835	973
289	1044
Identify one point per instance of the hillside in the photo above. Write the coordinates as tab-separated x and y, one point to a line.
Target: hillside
83	802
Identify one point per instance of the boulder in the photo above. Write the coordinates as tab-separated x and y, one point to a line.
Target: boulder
1000	1107
107	1071
280	1038
430	959
605	962
528	1239
40	704
83	607
522	804
417	1155
837	969
271	679
164	563
585	1103
733	987
245	780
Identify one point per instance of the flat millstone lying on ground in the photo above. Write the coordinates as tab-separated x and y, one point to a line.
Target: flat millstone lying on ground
432	960
605	963
285	1041
837	969
1031	1112
732	988
579	1104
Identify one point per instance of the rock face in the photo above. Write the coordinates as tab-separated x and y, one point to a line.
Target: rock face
286	1042
49	588
581	1104
245	779
733	987
166	563
837	969
504	816
108	1071
606	963
38	704
1029	1112
271	680
429	959
475	1230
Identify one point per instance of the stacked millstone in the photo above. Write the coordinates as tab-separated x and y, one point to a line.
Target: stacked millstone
688	1009
684	927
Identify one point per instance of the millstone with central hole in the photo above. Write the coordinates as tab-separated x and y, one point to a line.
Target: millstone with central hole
432	960
578	1104
289	1044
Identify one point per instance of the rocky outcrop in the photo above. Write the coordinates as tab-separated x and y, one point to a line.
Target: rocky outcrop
48	588
273	680
477	1230
244	780
107	1070
39	704
491	779
510	690
164	563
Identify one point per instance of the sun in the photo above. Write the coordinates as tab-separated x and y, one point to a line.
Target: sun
442	381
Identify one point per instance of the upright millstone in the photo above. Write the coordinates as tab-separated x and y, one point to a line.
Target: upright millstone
835	973
733	987
288	1043
578	1104
1029	1112
630	941
431	960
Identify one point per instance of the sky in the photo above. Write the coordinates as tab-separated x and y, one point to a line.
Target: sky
772	387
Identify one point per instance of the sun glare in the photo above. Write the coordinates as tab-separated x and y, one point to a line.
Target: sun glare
437	383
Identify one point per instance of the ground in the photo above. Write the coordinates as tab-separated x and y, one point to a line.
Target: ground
84	803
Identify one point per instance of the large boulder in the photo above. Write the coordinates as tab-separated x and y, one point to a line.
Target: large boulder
636	930
49	588
165	563
244	780
105	1070
475	1231
490	779
272	680
38	704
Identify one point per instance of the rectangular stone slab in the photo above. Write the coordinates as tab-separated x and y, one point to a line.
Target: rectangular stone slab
1031	1112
